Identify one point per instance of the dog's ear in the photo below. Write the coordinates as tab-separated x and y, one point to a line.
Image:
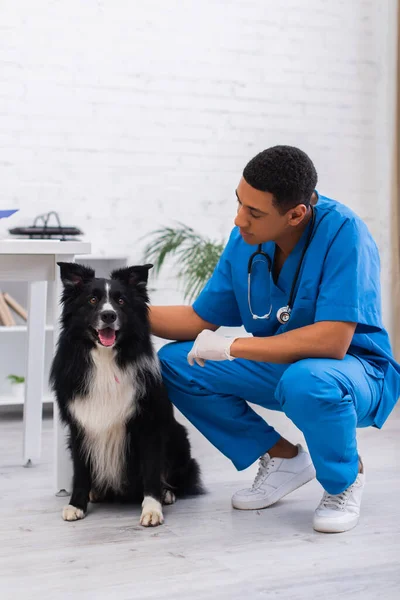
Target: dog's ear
137	275
74	275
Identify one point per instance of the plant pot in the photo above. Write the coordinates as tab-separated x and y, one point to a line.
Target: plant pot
18	390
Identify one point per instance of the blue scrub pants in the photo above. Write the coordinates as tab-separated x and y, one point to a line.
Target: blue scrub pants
325	398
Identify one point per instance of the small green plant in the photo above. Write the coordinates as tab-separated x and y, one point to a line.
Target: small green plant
196	256
13	379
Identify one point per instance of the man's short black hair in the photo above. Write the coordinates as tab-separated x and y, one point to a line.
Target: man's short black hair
285	172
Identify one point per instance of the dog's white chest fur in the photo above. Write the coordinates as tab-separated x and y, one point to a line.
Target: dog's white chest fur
103	415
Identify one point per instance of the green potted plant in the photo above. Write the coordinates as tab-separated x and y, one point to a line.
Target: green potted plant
195	255
17	385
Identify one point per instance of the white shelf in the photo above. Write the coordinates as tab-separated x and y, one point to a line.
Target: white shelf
20	328
13	351
15	401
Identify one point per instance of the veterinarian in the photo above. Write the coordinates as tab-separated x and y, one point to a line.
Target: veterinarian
301	273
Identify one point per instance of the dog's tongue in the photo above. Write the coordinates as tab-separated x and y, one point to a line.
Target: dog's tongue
107	336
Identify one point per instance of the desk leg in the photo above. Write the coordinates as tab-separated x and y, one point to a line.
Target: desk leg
63	464
33	405
62	460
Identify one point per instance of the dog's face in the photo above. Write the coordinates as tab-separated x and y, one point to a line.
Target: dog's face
103	310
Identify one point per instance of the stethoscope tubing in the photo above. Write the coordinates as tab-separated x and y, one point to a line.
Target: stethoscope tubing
283	313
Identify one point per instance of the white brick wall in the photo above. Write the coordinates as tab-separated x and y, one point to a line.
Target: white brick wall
127	115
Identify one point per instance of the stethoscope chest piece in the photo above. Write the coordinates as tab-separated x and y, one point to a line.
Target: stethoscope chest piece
283	314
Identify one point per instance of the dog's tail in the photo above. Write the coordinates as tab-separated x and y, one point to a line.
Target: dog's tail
187	481
192	483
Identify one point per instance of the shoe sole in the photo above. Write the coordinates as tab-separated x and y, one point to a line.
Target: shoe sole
308	473
334	528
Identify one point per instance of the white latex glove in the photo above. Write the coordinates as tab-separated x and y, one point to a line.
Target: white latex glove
210	346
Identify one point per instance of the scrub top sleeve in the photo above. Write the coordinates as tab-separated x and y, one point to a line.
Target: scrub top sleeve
217	302
350	285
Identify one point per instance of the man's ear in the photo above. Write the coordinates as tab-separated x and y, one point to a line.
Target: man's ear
74	275
297	214
133	275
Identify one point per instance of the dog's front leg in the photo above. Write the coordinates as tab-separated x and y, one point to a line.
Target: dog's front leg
151	472
82	481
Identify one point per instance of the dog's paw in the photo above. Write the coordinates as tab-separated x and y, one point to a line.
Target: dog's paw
71	513
169	497
152	512
151	518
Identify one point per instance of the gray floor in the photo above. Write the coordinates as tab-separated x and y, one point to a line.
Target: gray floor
205	549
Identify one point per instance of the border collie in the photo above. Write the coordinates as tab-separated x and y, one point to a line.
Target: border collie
124	440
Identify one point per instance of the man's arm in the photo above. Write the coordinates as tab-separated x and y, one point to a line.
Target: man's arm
325	339
177	322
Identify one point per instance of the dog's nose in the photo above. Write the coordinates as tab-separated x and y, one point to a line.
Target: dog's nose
108	316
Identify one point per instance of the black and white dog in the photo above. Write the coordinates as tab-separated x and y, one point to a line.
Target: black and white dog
124	440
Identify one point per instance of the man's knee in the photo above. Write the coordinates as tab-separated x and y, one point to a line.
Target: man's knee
172	352
166	352
173	360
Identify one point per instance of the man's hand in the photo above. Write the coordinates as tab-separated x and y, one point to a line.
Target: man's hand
210	346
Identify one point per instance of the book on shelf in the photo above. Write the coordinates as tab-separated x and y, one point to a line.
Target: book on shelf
16	307
8	305
5	313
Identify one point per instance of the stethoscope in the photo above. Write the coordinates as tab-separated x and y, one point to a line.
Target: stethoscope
283	313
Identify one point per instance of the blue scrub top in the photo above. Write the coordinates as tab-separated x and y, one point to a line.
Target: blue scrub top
339	281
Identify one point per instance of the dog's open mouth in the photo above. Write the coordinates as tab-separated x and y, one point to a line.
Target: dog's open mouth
106	336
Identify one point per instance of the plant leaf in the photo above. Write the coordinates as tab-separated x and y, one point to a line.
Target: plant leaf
195	256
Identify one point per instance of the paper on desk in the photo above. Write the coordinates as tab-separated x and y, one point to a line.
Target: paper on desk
7	213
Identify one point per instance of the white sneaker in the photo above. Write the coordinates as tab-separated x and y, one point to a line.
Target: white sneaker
276	478
341	512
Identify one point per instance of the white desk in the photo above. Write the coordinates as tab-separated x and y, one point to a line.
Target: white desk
35	261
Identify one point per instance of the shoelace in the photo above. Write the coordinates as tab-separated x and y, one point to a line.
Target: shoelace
336	502
263	471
